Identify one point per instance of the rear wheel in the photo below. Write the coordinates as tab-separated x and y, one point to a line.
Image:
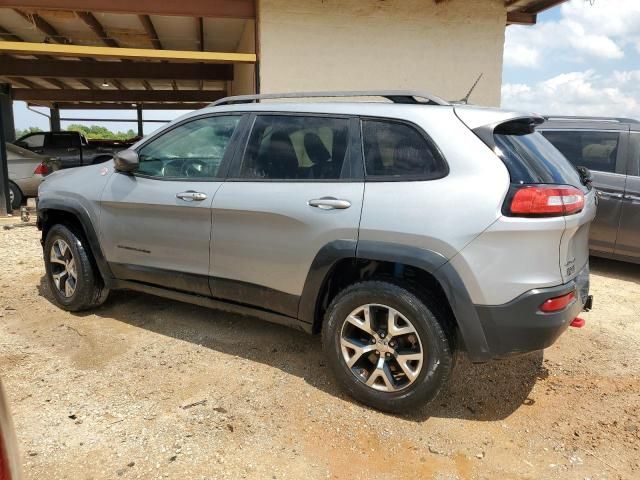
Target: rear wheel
15	196
387	346
71	275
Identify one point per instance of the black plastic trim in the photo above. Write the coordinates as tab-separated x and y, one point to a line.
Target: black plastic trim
185	282
319	272
256	295
209	302
68	205
520	327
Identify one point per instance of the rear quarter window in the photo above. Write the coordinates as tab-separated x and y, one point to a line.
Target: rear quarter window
398	151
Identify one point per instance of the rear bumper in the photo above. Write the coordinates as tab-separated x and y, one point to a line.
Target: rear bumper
519	326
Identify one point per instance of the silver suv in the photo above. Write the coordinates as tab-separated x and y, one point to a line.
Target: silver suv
402	231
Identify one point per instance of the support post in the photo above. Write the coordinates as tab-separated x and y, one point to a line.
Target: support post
6	121
54	118
140	124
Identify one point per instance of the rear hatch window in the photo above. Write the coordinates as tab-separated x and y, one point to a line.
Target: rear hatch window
530	158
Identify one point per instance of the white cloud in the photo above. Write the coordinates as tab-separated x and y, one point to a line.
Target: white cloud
578	93
585	31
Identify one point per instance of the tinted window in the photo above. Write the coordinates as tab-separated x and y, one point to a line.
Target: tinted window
63	140
34	141
634	153
531	159
594	150
296	148
192	150
399	150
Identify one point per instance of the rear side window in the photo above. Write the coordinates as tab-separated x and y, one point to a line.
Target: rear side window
591	149
531	159
63	140
296	148
395	150
34	141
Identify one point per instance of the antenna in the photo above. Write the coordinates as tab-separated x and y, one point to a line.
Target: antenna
465	99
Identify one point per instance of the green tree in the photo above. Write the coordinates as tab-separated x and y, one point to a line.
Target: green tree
97	132
21	133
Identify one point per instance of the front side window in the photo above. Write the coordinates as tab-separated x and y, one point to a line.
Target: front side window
594	150
296	148
34	141
634	153
396	150
191	150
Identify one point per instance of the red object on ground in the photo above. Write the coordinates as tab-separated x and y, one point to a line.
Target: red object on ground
577	322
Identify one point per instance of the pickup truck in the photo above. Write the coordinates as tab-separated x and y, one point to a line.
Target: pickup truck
72	149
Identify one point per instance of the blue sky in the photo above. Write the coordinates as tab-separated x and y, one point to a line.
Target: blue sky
582	58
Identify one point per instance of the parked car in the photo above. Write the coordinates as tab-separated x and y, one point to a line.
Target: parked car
400	231
610	149
26	172
9	458
71	148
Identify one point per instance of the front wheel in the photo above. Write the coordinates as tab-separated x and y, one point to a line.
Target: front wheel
72	278
15	196
387	346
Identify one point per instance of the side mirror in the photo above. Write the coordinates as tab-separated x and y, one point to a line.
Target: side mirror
126	160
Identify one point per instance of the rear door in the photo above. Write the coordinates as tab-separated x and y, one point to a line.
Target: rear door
628	243
296	189
155	224
601	151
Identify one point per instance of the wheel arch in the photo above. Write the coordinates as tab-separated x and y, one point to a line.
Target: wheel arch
341	263
74	215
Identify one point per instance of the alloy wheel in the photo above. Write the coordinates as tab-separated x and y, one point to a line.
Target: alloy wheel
63	268
381	347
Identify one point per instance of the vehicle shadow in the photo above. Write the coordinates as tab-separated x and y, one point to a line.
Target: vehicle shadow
481	392
614	269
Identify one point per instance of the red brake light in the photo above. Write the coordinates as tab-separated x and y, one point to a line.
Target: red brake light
558	303
41	169
546	200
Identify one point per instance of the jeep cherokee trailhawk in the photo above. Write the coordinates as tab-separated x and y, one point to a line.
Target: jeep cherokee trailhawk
401	230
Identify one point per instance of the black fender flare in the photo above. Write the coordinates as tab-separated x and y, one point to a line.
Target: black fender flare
75	208
429	261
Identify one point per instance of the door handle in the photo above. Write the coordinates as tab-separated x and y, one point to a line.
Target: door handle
329	203
602	194
190	196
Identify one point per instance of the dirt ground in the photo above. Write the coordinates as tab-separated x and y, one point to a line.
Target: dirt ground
150	388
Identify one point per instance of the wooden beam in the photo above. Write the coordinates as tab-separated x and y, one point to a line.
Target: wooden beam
131	96
29	48
123	105
45	27
147	24
102	70
8	36
520	18
92	22
187	8
25	82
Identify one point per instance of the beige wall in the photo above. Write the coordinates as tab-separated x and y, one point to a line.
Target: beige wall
375	44
244	75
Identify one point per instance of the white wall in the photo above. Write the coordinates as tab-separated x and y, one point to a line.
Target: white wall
376	44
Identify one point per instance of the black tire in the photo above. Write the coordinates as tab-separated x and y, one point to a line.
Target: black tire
17	196
89	290
429	322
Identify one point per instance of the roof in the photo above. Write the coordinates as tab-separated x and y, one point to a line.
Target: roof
177	54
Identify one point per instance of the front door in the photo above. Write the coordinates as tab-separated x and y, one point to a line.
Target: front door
65	146
155	225
295	190
628	243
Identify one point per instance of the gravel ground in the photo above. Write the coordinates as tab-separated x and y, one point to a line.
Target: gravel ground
150	388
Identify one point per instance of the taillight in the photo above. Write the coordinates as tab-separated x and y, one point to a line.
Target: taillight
545	201
558	303
41	169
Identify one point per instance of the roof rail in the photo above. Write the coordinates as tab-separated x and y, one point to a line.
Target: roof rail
570	118
395	96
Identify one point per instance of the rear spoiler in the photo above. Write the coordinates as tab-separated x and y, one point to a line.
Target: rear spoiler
485	122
